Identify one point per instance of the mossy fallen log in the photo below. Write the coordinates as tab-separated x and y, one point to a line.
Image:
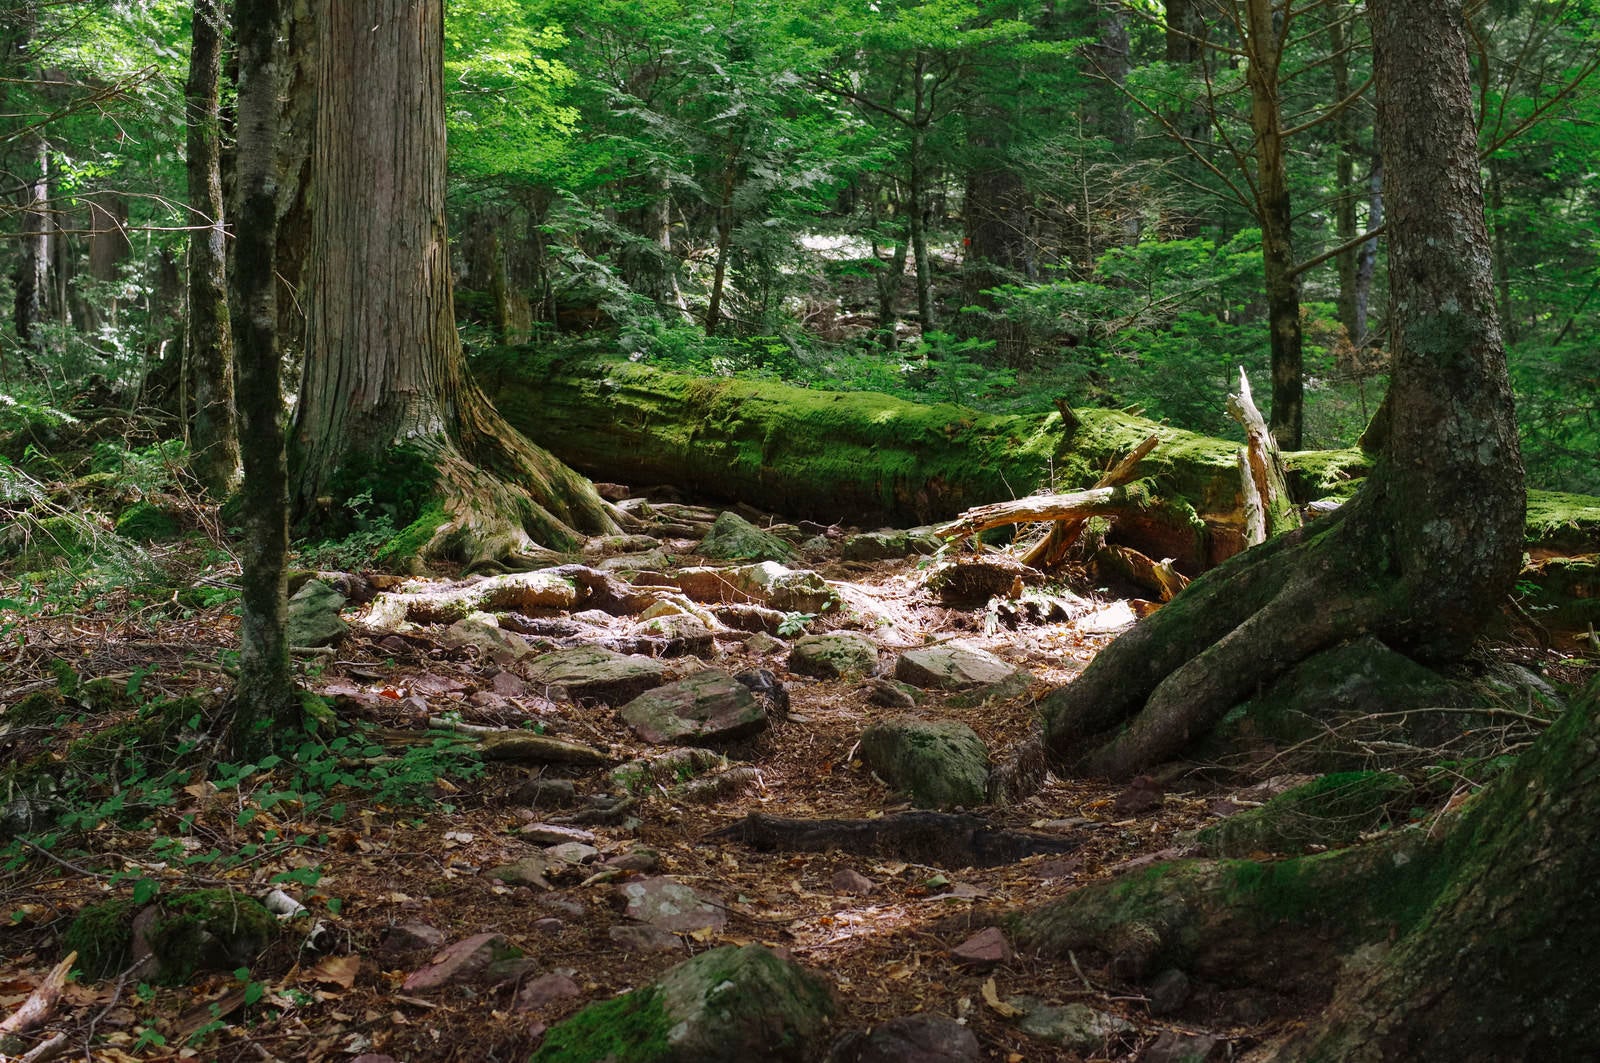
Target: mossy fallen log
871	459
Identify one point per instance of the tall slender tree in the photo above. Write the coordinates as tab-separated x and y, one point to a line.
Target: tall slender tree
264	699
213	436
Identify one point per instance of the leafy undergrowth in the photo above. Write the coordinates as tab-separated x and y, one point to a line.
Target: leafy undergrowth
386	816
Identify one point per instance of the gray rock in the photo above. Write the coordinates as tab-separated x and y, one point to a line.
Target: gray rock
1169	992
836	655
768	689
920	1038
592	673
313	618
732	538
763	643
529	871
480	632
469	960
668	904
950	667
645	939
849	880
409	937
710	706
728	1005
553	834
1175	1046
645	561
1075	1026
938	763
544	990
640	858
891	694
983	950
545	793
573	853
888	545
676	635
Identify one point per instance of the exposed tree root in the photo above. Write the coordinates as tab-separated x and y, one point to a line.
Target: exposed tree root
511	505
1487	909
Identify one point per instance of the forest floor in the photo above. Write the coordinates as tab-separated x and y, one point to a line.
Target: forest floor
388	876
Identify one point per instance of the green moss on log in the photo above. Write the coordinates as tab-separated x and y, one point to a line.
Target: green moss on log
859	455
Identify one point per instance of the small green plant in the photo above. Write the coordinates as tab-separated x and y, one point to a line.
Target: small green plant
794	624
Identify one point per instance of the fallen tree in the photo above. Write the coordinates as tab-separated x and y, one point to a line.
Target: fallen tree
865	458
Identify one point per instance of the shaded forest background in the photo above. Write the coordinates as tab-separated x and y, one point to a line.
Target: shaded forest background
992	203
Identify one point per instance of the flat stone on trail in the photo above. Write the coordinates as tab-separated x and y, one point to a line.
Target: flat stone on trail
590	672
890	545
983	950
552	834
463	962
710	706
950	667
728	1005
732	538
644	938
668	904
1074	1026
313	617
921	1038
939	763
835	655
546	989
410	937
849	880
1175	1046
481	632
529	871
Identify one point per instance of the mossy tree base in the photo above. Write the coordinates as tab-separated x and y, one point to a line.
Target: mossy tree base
1488	910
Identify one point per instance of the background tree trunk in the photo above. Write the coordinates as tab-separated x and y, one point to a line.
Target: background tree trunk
264	701
213	438
384	375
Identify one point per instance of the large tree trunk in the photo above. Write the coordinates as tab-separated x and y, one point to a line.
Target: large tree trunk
213	437
1429	547
265	702
386	403
32	278
1488	908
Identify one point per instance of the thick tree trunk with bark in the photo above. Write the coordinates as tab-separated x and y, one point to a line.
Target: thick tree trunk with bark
385	388
264	699
1426	551
213	438
1488	907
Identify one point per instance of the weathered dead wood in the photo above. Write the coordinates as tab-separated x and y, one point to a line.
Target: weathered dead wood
1047	553
940	839
1157	576
41	1003
1077	506
509	745
1268	507
564	587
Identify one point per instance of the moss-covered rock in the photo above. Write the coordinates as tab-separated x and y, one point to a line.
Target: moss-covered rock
835	655
102	936
38	709
203	930
732	538
729	1005
41	543
1333	810
148	522
938	763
